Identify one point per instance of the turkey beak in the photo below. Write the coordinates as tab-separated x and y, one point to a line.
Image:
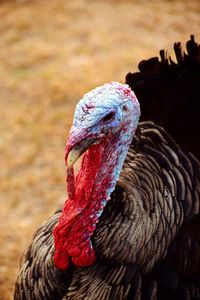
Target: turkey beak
77	150
72	157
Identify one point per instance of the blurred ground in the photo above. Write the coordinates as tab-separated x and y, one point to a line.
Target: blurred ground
51	53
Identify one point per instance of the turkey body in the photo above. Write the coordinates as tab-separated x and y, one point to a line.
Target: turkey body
155	205
147	239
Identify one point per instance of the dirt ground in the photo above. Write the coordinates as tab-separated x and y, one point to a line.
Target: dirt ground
51	53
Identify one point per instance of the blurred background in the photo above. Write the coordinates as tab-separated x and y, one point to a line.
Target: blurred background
51	53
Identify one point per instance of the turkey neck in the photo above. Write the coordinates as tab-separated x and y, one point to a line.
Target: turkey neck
99	172
94	183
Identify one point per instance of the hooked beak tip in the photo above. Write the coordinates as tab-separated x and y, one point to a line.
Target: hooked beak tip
75	149
72	157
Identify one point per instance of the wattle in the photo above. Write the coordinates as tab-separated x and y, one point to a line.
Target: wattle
80	215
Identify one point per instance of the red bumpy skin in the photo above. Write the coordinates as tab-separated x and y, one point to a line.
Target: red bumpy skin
79	216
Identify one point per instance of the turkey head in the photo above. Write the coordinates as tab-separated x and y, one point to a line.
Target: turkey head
104	123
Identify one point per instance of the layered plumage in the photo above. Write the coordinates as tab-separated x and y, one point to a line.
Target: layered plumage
146	241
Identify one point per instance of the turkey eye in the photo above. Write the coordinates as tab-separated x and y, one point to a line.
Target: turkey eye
125	108
108	117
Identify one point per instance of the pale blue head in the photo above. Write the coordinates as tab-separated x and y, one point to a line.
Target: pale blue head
102	112
110	106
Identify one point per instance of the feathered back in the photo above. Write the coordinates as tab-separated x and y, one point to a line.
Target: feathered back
169	93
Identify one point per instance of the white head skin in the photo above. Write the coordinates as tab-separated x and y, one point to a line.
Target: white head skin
112	97
105	110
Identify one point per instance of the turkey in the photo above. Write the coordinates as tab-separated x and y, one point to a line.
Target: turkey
130	228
